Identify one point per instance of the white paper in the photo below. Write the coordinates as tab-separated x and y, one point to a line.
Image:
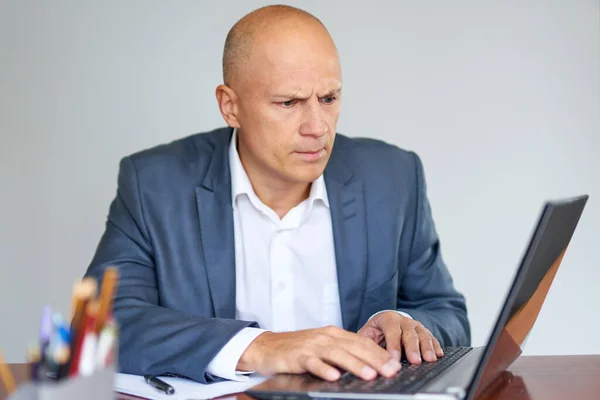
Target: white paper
185	389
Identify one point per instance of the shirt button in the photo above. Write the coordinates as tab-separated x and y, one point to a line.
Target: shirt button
280	287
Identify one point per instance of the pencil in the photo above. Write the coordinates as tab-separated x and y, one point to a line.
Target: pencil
85	289
7	377
88	326
87	350
107	291
83	292
106	343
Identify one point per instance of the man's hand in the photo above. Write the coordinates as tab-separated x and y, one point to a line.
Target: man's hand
318	351
394	331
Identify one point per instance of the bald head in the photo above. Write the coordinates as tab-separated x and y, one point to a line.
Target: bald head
282	93
261	25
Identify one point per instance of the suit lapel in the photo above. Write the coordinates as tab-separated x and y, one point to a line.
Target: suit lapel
347	207
348	219
213	200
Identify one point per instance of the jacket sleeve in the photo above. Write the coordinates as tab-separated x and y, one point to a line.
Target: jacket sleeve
152	339
426	291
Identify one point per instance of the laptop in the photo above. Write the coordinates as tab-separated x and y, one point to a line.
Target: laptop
463	372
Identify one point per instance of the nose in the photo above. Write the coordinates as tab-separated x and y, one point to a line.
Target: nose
313	122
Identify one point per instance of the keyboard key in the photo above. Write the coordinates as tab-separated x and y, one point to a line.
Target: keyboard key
408	380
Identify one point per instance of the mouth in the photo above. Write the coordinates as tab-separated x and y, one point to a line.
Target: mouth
312	155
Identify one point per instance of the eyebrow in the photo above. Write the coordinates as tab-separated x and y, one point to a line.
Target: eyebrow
297	96
333	92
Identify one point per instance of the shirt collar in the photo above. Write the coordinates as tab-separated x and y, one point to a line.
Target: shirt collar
240	183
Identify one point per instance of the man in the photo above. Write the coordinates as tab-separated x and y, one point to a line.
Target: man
265	246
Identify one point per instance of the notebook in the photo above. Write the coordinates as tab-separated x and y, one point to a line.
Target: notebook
185	389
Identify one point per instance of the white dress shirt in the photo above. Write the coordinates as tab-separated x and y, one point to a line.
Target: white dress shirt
285	268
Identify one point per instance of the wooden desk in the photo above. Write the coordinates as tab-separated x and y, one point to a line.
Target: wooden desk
530	378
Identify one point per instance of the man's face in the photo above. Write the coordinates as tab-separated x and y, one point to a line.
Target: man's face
288	106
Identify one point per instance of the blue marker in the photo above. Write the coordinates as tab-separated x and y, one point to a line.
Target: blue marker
60	342
61	330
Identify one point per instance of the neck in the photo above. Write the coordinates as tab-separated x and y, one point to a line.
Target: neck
280	198
276	193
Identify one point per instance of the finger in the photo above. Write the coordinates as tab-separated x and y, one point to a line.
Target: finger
438	348
410	340
392	331
343	359
372	332
321	369
426	344
371	354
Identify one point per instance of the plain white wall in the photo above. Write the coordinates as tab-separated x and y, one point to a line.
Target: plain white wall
500	98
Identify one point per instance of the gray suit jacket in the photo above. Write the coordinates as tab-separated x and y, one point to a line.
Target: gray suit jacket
170	233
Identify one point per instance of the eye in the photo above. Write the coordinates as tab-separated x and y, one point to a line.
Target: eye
288	104
329	99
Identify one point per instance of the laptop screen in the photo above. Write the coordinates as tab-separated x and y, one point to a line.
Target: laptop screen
528	292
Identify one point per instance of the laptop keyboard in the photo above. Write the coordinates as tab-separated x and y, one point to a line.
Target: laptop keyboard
409	379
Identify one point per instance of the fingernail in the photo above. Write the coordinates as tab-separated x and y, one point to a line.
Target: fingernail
333	375
417	356
368	372
441	353
396	354
431	355
391	367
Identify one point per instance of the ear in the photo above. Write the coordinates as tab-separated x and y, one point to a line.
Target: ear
228	105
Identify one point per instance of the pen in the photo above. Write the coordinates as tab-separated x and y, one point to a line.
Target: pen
159	384
61	357
45	331
33	358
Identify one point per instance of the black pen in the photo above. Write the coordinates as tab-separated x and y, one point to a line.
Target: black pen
159	384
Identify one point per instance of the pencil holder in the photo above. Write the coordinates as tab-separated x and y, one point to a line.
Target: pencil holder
98	386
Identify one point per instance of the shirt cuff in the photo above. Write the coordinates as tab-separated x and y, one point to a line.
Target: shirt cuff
396	311
224	363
